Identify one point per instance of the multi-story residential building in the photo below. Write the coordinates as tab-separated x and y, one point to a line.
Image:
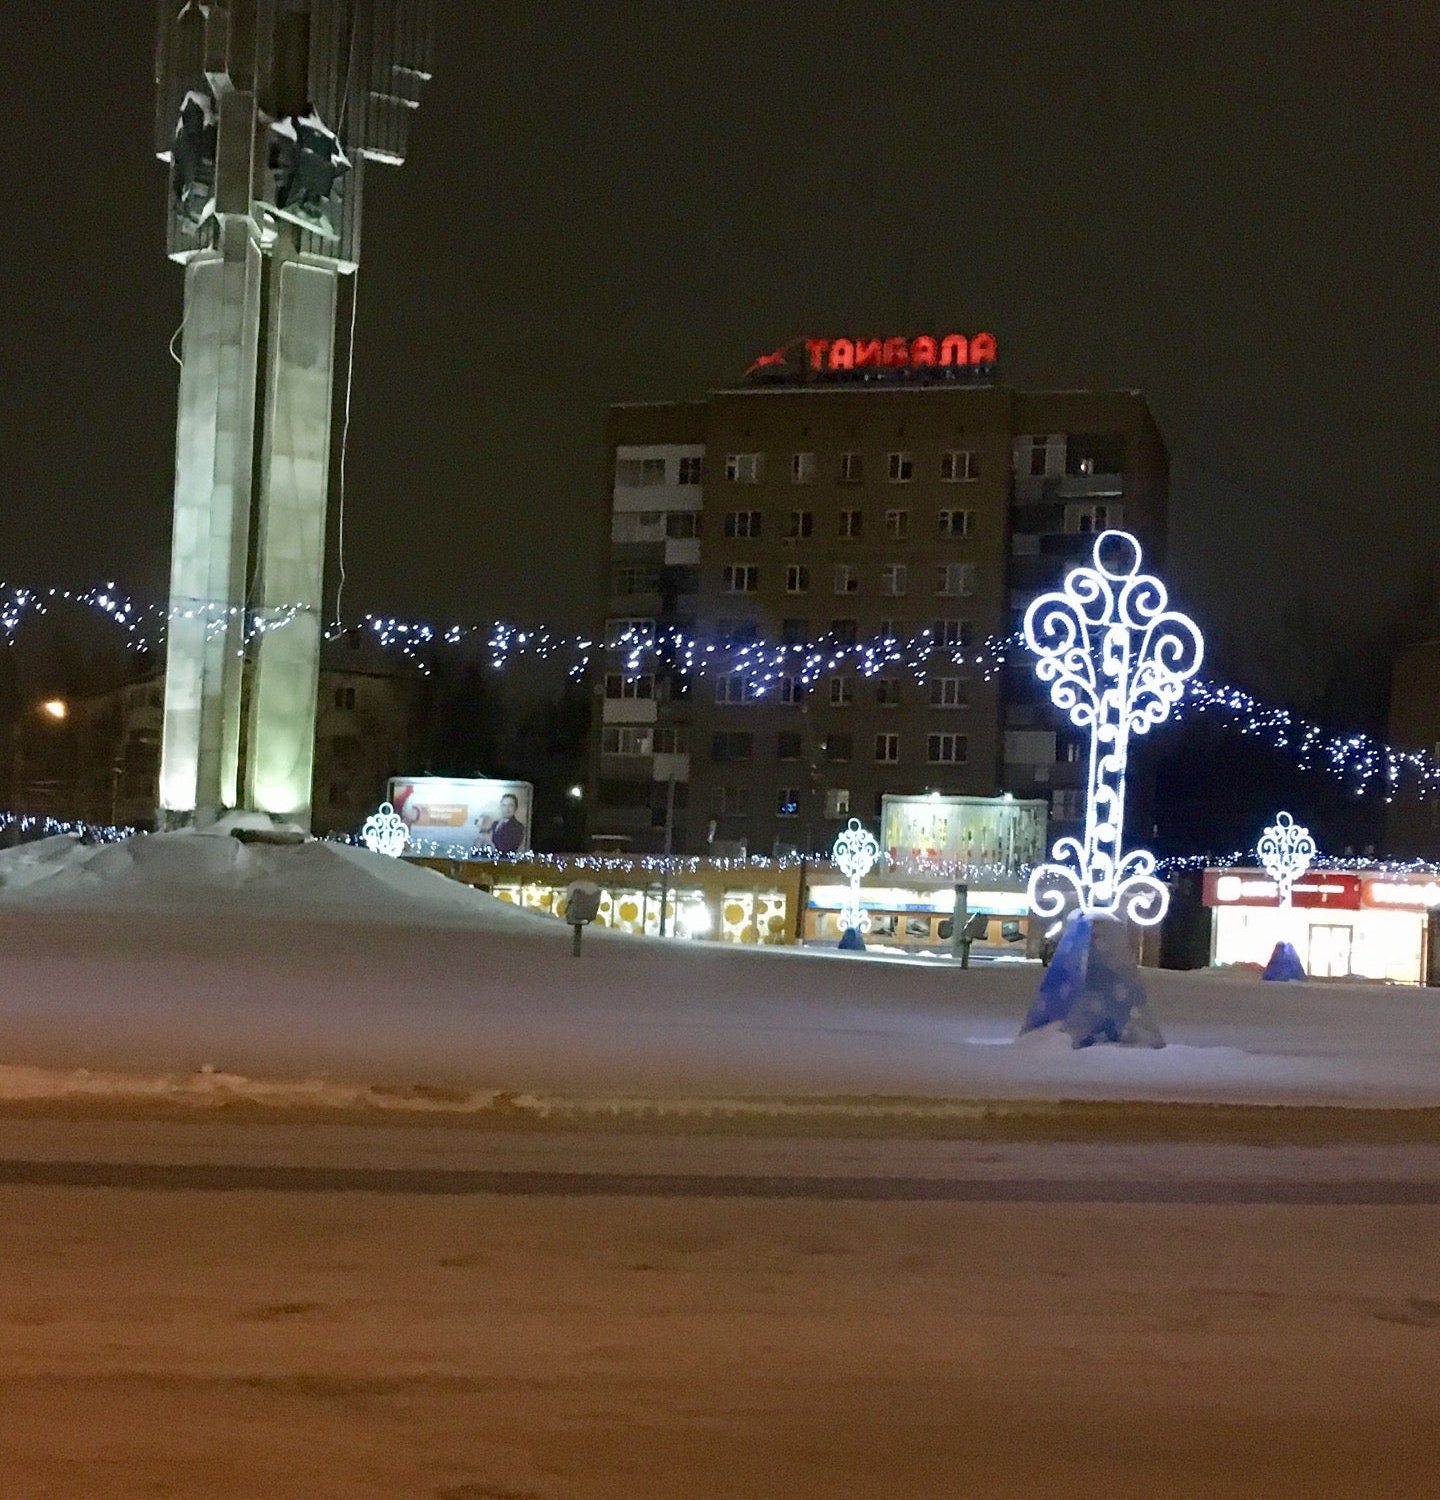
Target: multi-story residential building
858	502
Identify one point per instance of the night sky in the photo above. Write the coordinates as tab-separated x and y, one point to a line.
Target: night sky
1229	206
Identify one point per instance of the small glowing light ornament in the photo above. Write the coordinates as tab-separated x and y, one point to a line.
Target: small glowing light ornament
1285	851
1116	659
855	853
385	832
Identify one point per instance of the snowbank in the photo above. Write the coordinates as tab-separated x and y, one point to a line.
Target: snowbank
168	954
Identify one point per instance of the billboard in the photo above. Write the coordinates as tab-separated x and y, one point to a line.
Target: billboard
458	816
990	833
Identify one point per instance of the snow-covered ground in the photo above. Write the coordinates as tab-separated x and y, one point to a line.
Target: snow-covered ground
285	971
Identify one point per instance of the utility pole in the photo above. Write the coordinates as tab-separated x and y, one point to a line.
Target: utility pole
669	848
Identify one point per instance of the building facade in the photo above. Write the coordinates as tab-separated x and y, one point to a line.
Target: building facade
100	761
848	503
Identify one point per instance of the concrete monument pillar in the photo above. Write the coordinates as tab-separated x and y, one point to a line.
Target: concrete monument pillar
267	113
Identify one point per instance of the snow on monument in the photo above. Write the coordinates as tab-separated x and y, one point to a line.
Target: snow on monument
268	116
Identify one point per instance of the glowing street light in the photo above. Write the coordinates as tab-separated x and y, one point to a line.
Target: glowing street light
1116	659
55	708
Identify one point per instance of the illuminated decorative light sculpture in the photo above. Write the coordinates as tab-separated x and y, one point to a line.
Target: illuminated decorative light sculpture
385	832
855	853
1285	851
1116	659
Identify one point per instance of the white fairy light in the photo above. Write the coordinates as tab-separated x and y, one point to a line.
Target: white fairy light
855	853
1285	851
1116	659
385	832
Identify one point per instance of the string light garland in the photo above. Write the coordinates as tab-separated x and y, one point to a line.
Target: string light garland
33	826
1365	765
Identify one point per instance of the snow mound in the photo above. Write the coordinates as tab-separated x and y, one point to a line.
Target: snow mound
198	872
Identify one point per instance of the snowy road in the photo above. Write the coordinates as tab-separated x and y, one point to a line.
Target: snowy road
313	1336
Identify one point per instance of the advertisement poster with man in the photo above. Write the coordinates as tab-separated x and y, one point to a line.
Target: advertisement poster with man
457	817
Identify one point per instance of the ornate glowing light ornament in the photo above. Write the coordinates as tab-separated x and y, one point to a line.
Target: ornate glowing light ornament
1116	659
855	853
1285	851
385	832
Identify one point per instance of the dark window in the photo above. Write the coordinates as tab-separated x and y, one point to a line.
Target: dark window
787	747
846	632
731	744
794	632
839	746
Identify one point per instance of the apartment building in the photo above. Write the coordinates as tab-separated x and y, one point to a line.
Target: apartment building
851	502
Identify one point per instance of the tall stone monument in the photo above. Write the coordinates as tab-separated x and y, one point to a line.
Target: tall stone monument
268	112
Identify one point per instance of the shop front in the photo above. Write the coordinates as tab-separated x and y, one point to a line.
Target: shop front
1362	924
917	914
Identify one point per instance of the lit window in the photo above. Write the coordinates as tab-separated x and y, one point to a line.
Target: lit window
1067	805
639	473
837	802
627	739
744	468
902	468
959	466
787	802
802	468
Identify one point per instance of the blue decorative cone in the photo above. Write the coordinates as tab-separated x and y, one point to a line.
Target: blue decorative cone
1284	964
851	941
1093	989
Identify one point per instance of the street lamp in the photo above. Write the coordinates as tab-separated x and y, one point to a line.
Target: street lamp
55	708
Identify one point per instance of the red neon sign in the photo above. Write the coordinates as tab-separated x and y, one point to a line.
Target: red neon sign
949	351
